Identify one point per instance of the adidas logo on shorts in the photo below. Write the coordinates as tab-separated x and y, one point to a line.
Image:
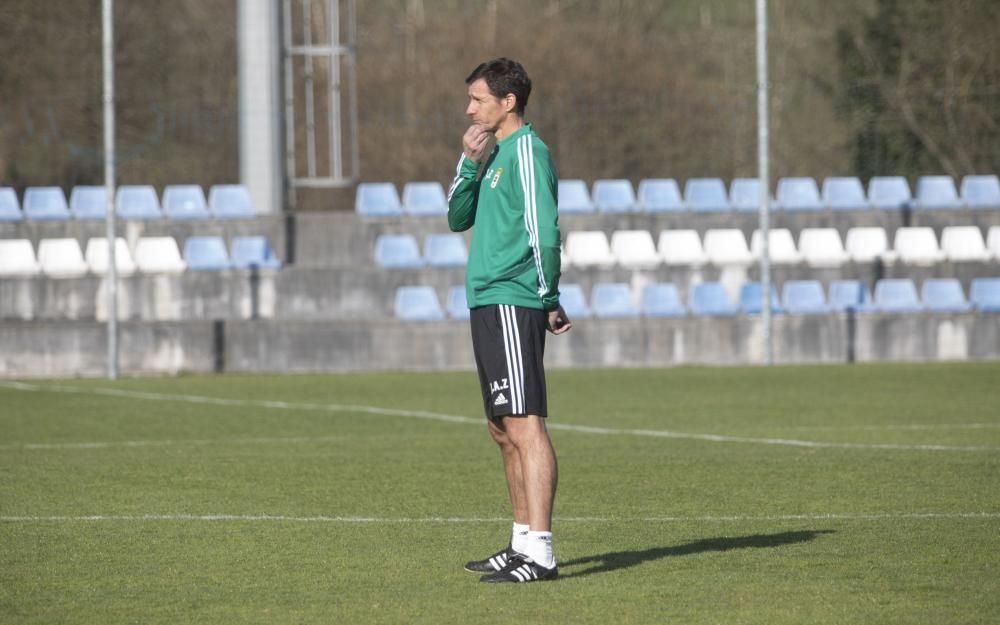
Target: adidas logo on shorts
500	400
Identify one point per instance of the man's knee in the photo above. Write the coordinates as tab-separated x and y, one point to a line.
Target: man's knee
524	430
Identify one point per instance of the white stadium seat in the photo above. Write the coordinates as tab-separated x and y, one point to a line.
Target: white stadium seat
158	255
822	247
727	246
589	248
917	246
17	258
964	243
61	258
97	256
866	244
781	246
681	247
634	249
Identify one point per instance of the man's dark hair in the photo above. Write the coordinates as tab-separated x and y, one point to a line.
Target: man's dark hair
504	76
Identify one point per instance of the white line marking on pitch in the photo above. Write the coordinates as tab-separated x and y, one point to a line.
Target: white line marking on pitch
257	518
219	442
422	414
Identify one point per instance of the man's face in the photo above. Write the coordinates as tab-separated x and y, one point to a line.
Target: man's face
484	108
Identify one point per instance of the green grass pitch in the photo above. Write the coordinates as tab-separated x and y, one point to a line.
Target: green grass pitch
821	494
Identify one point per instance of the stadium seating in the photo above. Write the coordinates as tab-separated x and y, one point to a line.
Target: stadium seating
377	199
137	202
398	251
661	299
574	302
10	209
781	247
681	247
844	193
158	255
612	300
660	195
253	252
185	201
710	299
981	191
917	246
574	197
634	249
798	194
944	295
445	250
88	202
613	196
804	297
457	305
230	201
889	192
727	246
993	241
706	195
61	258
849	295
206	253
589	248
822	247
744	194
45	204
896	295
984	294
936	192
417	303
751	299
96	255
964	243
868	244
17	258
424	199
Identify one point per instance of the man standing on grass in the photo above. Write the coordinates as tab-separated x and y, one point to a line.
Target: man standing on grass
505	186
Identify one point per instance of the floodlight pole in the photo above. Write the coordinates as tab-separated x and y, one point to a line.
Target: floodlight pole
109	183
763	179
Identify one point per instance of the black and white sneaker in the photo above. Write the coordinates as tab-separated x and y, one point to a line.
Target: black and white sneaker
520	568
492	564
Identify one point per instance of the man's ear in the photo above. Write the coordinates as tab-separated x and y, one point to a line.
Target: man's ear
510	102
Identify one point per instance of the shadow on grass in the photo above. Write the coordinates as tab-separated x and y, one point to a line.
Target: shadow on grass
616	560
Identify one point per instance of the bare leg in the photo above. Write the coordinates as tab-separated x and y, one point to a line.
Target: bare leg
513	473
537	467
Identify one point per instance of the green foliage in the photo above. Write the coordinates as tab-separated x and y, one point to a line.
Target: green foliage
649	529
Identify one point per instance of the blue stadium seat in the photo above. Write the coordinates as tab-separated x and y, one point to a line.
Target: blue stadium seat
897	295
944	295
137	202
661	299
250	252
457	305
981	191
660	195
804	297
744	194
417	303
849	295
937	192
984	293
185	201
377	199
706	195
206	253
445	250
230	201
798	194
45	204
844	193
88	202
574	302
750	299
614	196
424	199
710	299
398	251
10	210
889	192
612	300
574	197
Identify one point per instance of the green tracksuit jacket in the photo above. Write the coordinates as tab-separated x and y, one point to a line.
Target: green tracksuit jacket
514	257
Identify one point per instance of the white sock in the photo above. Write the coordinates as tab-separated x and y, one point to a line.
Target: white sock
538	547
519	537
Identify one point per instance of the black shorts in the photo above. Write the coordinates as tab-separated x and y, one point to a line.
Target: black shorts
509	345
